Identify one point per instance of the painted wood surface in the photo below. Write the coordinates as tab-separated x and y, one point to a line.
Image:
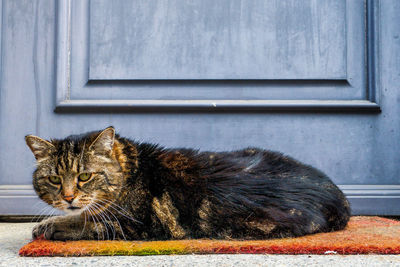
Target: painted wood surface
81	53
359	150
224	39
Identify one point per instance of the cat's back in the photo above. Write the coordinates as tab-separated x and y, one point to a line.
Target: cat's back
257	168
255	161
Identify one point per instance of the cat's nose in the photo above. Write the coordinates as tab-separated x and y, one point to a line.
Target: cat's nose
69	198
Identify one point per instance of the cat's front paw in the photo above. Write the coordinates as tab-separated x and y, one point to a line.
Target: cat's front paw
57	228
43	229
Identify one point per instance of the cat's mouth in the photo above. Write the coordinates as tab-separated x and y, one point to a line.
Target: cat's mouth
73	208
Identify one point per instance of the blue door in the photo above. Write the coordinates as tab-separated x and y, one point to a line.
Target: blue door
314	79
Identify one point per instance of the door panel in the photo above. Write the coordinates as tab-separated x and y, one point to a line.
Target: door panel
224	39
290	55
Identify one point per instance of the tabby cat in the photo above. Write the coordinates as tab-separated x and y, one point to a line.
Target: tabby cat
115	188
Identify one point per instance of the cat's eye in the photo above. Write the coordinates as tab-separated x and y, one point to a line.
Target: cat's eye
55	179
83	177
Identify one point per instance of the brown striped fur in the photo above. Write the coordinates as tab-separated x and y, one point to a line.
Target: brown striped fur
143	191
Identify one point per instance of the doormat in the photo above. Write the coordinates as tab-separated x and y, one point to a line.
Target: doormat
363	235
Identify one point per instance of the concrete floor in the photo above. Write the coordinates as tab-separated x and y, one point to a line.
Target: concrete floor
15	235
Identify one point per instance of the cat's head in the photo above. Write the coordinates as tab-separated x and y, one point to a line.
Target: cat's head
77	173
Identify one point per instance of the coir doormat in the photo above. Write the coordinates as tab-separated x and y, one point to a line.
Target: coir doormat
363	235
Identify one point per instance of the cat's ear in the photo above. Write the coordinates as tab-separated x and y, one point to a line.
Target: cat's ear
104	142
40	148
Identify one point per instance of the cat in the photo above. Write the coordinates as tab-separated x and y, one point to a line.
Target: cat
115	188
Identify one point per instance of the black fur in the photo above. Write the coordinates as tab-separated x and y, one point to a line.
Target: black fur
183	193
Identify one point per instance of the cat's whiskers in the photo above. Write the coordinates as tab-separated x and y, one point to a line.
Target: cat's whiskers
51	213
115	206
92	213
100	208
106	223
119	224
101	229
112	225
37	204
42	215
112	214
41	211
84	213
101	219
94	222
116	218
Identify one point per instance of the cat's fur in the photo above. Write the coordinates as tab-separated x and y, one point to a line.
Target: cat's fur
143	191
